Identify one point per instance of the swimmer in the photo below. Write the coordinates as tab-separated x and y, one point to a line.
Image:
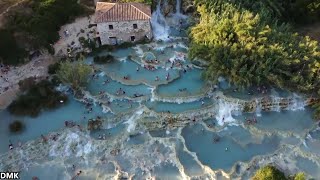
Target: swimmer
138	69
202	103
227	149
78	173
10	145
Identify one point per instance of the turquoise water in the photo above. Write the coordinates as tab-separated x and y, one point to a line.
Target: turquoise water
178	108
191	81
128	68
47	121
106	84
164	153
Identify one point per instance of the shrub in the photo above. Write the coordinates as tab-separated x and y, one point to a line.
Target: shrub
39	97
16	126
103	59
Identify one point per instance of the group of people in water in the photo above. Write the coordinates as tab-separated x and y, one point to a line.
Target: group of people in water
251	121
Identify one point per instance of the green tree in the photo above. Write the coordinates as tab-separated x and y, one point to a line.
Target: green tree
300	176
74	74
269	173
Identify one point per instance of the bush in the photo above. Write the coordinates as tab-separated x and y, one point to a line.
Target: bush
16	126
39	97
103	59
269	173
53	68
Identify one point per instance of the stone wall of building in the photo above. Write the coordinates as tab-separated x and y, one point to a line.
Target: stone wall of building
124	30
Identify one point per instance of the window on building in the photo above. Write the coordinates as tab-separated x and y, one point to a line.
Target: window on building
135	26
110	26
133	38
113	40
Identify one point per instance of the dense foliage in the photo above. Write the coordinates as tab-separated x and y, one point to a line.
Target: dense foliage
269	173
297	12
252	49
37	23
300	176
39	97
103	59
74	74
16	126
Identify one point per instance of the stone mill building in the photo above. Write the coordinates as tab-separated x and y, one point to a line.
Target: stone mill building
122	22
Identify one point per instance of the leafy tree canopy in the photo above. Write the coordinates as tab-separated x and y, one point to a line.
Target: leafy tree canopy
269	173
249	50
74	74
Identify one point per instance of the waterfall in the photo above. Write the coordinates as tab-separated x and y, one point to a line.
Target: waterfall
275	103
132	120
178	13
258	108
178	7
159	25
225	111
297	103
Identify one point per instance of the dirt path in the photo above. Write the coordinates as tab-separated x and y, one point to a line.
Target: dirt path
7	5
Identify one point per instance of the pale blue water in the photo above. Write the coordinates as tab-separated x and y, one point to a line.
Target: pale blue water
191	167
167	171
290	121
201	142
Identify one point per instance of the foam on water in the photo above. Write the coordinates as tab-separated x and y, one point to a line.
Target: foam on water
225	112
297	103
132	120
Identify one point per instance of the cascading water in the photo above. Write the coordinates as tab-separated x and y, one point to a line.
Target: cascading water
297	103
258	109
225	112
178	10
178	7
159	25
276	103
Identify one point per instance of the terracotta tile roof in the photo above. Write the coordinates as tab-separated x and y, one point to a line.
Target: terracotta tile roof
108	12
